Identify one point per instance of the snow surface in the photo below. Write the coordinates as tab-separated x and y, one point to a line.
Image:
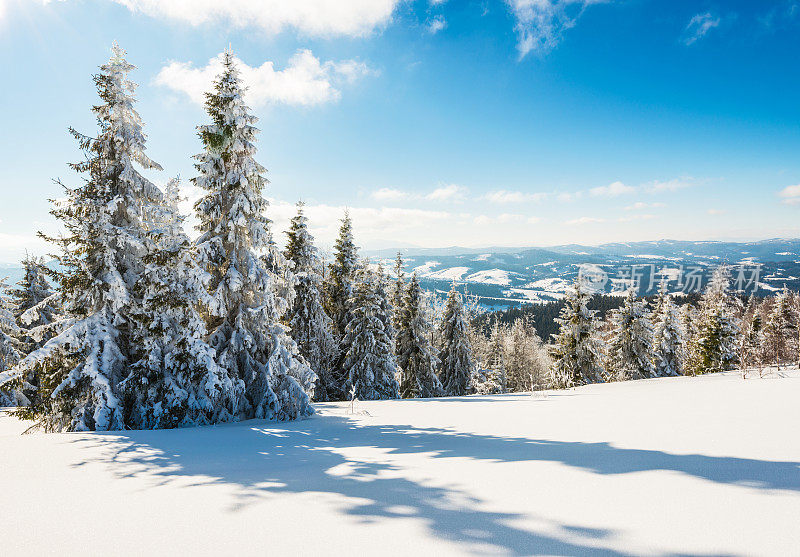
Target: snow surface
492	276
688	465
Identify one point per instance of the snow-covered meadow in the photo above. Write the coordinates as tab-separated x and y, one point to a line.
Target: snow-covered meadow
687	465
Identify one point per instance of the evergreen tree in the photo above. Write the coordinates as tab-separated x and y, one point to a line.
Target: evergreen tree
398	289
780	327
102	254
714	347
176	382
669	341
342	278
493	379
250	342
631	344
311	328
35	305
457	363
36	312
369	362
576	350
11	392
416	356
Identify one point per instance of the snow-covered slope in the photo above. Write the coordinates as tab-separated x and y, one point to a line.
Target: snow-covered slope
707	465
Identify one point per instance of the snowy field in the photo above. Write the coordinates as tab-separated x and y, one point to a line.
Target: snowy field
702	466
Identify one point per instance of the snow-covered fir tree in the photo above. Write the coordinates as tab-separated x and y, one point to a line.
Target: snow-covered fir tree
102	254
369	365
398	289
714	345
631	341
235	247
416	358
493	379
311	328
36	312
577	352
176	382
11	392
780	329
36	304
341	277
669	341
457	363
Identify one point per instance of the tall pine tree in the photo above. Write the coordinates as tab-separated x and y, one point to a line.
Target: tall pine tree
577	353
311	328
176	382
369	365
416	355
714	345
251	343
631	345
457	363
669	338
102	254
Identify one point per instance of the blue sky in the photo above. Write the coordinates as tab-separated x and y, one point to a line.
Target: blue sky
471	123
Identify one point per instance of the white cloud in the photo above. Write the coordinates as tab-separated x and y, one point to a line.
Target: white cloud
451	192
698	26
319	18
583	220
533	220
632	218
790	194
642	205
568	197
436	24
614	189
716	211
541	23
305	81
388	194
659	186
502	197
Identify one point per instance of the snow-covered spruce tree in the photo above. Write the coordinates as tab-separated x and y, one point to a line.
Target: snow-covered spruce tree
35	307
416	358
457	363
631	342
669	341
235	248
176	381
341	278
780	329
370	369
398	289
311	328
102	253
715	345
493	379
577	353
11	392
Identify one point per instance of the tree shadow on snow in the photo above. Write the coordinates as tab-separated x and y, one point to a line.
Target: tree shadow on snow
265	458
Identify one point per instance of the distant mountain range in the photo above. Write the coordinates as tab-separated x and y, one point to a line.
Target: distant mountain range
502	276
